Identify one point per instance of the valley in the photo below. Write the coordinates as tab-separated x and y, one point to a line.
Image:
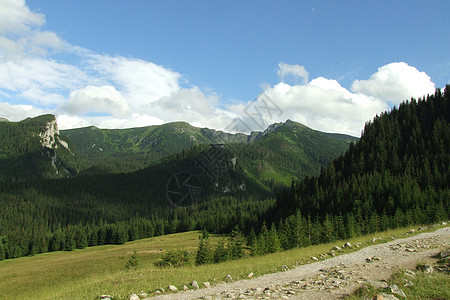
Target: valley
285	193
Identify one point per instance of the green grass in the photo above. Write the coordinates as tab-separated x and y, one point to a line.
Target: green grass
425	286
91	272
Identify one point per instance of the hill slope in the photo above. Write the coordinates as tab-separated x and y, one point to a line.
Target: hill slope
119	150
33	149
396	174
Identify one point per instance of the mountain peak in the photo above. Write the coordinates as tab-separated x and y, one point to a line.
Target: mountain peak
3	119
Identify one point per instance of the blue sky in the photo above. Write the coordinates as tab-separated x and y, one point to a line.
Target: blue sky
331	65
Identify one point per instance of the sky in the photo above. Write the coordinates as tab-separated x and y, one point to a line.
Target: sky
226	64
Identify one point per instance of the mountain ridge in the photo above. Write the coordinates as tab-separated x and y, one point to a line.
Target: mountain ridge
153	142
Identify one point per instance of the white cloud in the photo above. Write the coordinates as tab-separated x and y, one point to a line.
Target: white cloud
190	105
98	99
67	121
322	104
20	31
42	81
292	72
395	82
141	82
16	17
19	112
82	86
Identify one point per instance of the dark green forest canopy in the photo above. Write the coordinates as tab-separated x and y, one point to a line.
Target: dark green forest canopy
41	211
400	165
395	175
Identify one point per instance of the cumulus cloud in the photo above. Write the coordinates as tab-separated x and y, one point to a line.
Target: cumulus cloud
395	82
18	112
21	33
292	72
68	121
119	92
321	104
140	81
42	81
16	17
97	99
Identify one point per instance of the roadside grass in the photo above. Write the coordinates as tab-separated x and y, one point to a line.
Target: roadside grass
91	272
434	285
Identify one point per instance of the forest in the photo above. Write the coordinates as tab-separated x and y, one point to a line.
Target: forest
396	174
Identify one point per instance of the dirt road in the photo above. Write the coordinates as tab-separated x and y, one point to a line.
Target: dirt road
331	278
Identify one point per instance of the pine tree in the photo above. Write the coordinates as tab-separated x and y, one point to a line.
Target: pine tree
327	230
274	243
80	238
252	243
203	252
263	239
2	249
236	243
220	252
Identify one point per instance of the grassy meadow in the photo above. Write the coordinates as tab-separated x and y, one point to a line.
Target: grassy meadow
91	272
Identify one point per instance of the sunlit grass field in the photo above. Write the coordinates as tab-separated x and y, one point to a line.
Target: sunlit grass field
91	272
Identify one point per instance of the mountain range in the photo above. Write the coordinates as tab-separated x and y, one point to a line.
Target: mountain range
61	190
36	149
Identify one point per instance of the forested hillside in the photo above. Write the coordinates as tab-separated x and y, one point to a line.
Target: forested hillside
234	184
125	150
33	149
397	174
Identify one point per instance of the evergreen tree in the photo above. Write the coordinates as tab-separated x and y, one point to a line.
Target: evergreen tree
220	252
81	241
236	243
2	249
203	252
274	243
263	239
252	243
327	230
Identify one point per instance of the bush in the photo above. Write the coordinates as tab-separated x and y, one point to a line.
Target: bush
133	261
173	258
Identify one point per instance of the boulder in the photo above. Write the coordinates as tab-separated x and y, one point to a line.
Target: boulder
207	284
425	268
195	285
134	297
444	254
172	288
250	275
347	245
384	296
397	291
228	278
408	284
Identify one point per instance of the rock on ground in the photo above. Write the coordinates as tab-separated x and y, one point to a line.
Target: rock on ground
331	278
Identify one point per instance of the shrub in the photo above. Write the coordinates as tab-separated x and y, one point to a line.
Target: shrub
133	261
173	258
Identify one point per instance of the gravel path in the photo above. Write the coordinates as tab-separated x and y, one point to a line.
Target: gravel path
332	278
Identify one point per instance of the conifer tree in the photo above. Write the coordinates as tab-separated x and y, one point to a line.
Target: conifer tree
236	244
274	243
220	252
252	242
203	252
2	249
